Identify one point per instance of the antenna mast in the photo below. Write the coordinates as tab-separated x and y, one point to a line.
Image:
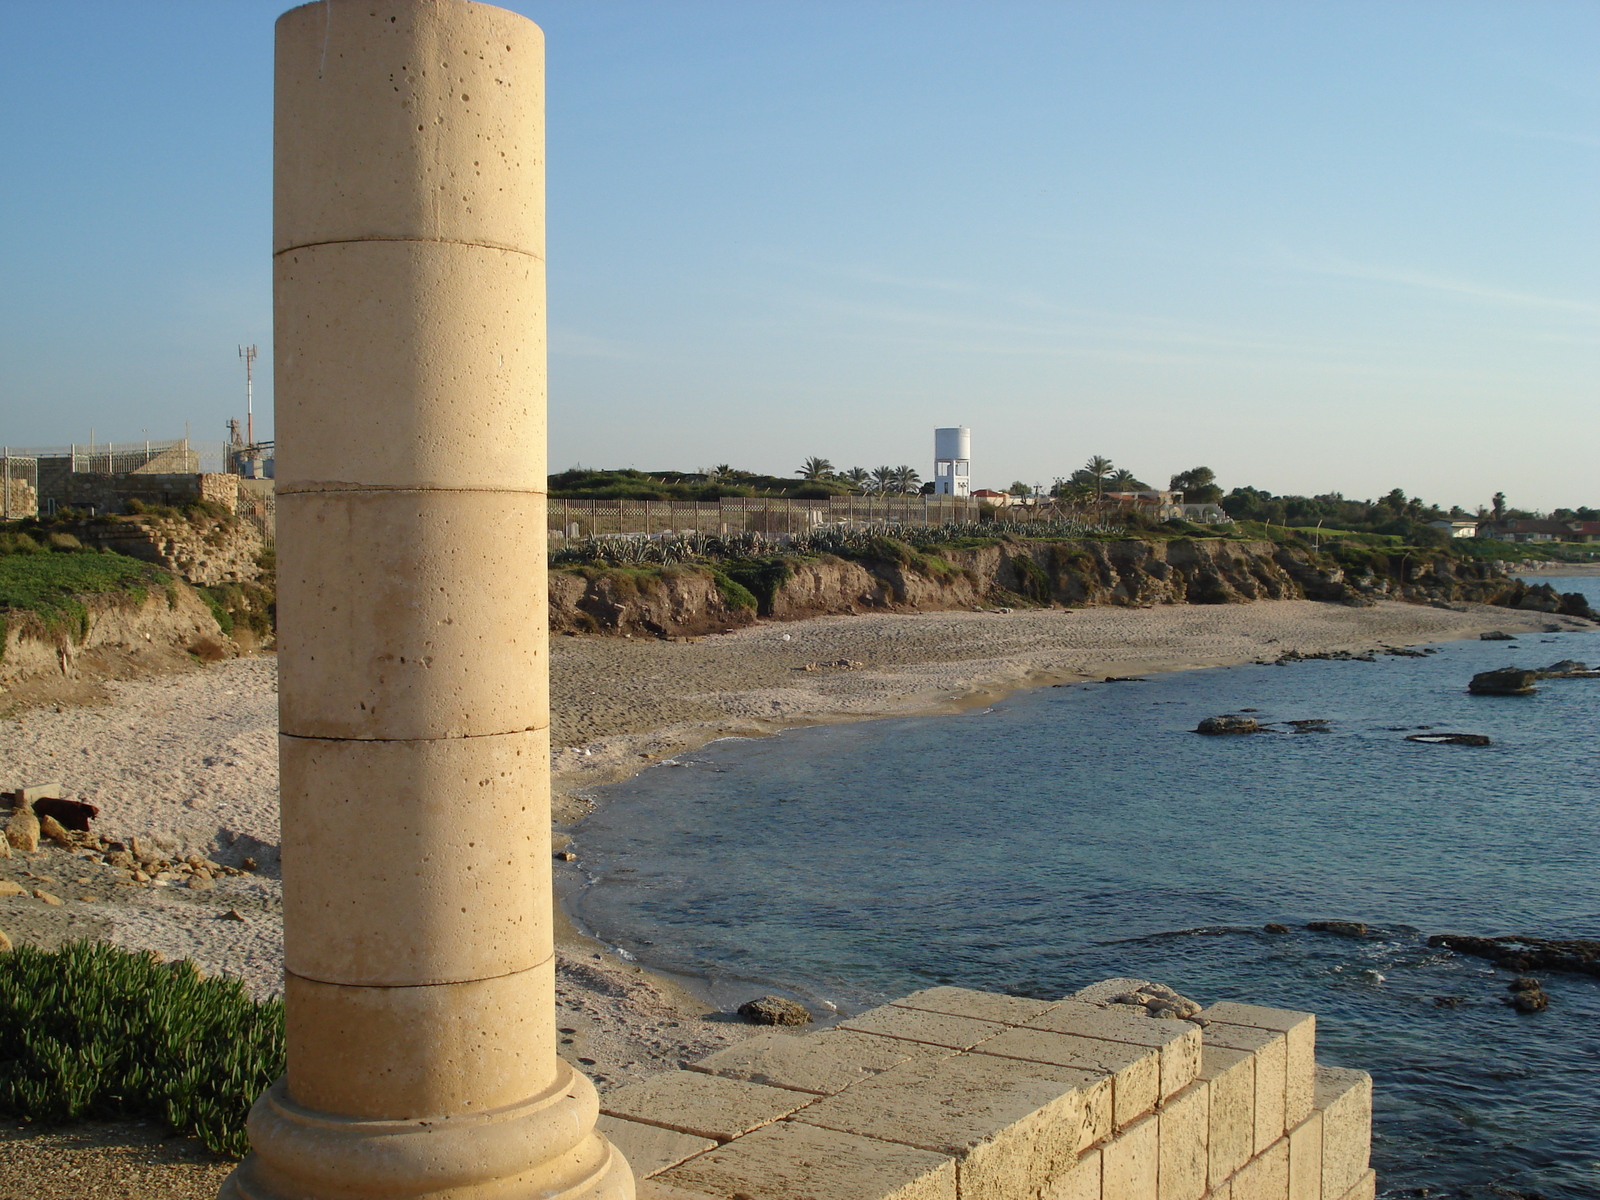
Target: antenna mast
248	353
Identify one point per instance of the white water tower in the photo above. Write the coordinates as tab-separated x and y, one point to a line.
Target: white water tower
952	461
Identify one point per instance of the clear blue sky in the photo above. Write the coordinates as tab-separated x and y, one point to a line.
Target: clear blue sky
1315	246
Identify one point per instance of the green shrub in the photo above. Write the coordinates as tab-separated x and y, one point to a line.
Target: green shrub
64	541
734	594
49	585
91	1030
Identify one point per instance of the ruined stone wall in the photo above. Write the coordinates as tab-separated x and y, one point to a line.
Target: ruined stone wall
202	550
950	1093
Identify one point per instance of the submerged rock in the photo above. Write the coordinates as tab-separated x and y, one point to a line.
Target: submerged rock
1349	929
1228	724
1526	953
1449	739
1507	681
774	1010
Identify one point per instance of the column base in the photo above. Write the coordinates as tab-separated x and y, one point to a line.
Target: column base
544	1147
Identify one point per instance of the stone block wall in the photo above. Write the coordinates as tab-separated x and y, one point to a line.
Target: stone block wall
951	1094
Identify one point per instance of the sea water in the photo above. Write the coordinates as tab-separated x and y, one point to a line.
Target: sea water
1074	833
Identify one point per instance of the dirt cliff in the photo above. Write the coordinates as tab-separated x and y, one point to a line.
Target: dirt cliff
687	600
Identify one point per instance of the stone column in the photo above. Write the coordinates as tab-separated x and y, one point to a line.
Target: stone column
408	244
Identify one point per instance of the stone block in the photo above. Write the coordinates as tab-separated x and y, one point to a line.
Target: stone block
1270	1050
401	323
350	165
1365	1188
1101	993
1135	1071
1344	1098
1013	1127
983	1006
1081	1182
1185	1122
789	1160
1300	1033
920	1025
1178	1041
354	1050
707	1106
444	831
1266	1176
820	1063
412	615
650	1149
39	791
1131	1162
1305	1159
1222	1191
1230	1076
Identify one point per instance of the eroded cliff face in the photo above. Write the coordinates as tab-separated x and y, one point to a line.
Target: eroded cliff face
689	600
115	637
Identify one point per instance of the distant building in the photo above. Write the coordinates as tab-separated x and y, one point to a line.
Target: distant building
1539	529
998	499
952	461
1162	506
1206	514
1457	526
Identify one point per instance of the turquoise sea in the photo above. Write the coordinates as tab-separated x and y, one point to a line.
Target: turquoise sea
1073	833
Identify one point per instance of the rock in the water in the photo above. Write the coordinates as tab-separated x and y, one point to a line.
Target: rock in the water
1228	724
1524	983
1449	739
1536	1000
1349	929
1507	681
1496	635
1567	668
1448	1001
1527	953
1275	927
774	1010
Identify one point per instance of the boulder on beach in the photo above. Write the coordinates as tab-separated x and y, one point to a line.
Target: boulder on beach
1228	724
1507	681
774	1010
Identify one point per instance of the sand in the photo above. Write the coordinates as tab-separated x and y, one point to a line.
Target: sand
190	761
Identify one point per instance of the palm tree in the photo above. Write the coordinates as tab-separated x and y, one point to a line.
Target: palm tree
883	480
857	477
906	480
815	469
1125	480
1098	469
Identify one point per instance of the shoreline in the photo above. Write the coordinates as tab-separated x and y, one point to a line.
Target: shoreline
191	759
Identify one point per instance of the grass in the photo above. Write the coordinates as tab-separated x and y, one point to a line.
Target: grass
48	584
91	1030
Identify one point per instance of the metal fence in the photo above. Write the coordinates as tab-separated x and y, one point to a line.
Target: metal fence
580	520
259	506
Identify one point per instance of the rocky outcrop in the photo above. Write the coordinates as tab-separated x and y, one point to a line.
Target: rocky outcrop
1507	681
1228	724
1526	953
673	601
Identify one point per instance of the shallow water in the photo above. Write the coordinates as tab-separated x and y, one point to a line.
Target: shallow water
1073	833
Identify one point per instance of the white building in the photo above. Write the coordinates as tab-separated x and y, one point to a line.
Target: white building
952	461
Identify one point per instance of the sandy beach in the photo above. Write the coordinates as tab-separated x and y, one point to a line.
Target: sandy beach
190	762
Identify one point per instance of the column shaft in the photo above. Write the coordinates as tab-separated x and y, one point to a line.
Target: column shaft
413	699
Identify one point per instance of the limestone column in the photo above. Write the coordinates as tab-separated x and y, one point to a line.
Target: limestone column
408	246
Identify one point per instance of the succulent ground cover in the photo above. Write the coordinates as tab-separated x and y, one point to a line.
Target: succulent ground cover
91	1030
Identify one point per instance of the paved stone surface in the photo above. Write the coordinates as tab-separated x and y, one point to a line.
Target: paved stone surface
920	1025
1131	1162
791	1161
650	1149
1178	1041
820	1063
1014	1127
1135	1071
984	1006
1300	1031
703	1105
1185	1133
1231	1077
1270	1050
1345	1100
